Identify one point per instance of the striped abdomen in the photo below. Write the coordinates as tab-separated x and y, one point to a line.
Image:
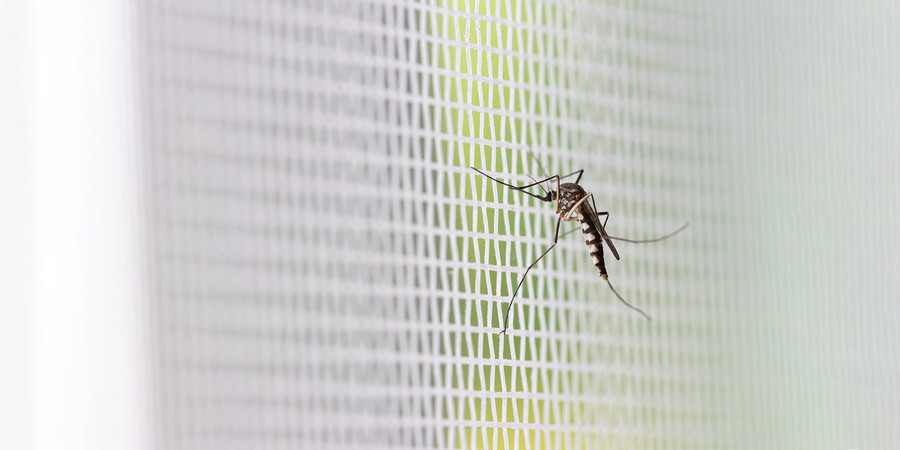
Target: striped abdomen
593	240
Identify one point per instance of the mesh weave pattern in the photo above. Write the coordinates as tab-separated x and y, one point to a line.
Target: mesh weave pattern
329	273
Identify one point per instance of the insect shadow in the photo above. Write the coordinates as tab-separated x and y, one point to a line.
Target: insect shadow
572	204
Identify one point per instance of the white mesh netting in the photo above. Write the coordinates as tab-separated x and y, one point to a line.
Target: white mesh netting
327	272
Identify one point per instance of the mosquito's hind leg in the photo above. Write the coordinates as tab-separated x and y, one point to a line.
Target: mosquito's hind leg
626	303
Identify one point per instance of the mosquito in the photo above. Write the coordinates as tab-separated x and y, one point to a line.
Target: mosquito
572	204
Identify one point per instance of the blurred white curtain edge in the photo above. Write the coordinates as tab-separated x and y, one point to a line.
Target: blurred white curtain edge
16	295
72	329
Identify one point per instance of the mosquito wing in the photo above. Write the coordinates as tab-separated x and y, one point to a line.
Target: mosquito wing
599	226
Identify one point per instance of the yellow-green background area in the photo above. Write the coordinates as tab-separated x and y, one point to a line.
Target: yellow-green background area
777	328
512	164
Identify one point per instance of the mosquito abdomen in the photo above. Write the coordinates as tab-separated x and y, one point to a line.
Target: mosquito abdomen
593	240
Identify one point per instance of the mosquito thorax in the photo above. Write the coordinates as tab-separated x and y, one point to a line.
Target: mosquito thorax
570	194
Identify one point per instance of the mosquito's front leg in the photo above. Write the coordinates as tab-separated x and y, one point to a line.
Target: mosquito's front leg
509	308
522	188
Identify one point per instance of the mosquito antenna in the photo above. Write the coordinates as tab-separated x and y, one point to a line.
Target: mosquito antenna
538	161
539	185
626	303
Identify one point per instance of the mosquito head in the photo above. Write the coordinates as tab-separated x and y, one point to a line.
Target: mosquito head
549	195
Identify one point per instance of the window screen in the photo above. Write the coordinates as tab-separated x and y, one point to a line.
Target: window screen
326	271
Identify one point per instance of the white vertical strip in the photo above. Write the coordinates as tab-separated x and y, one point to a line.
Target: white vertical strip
15	238
87	360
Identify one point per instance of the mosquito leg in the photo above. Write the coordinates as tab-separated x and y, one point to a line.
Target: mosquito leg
604	213
645	241
570	232
579	172
509	308
520	188
626	303
605	236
